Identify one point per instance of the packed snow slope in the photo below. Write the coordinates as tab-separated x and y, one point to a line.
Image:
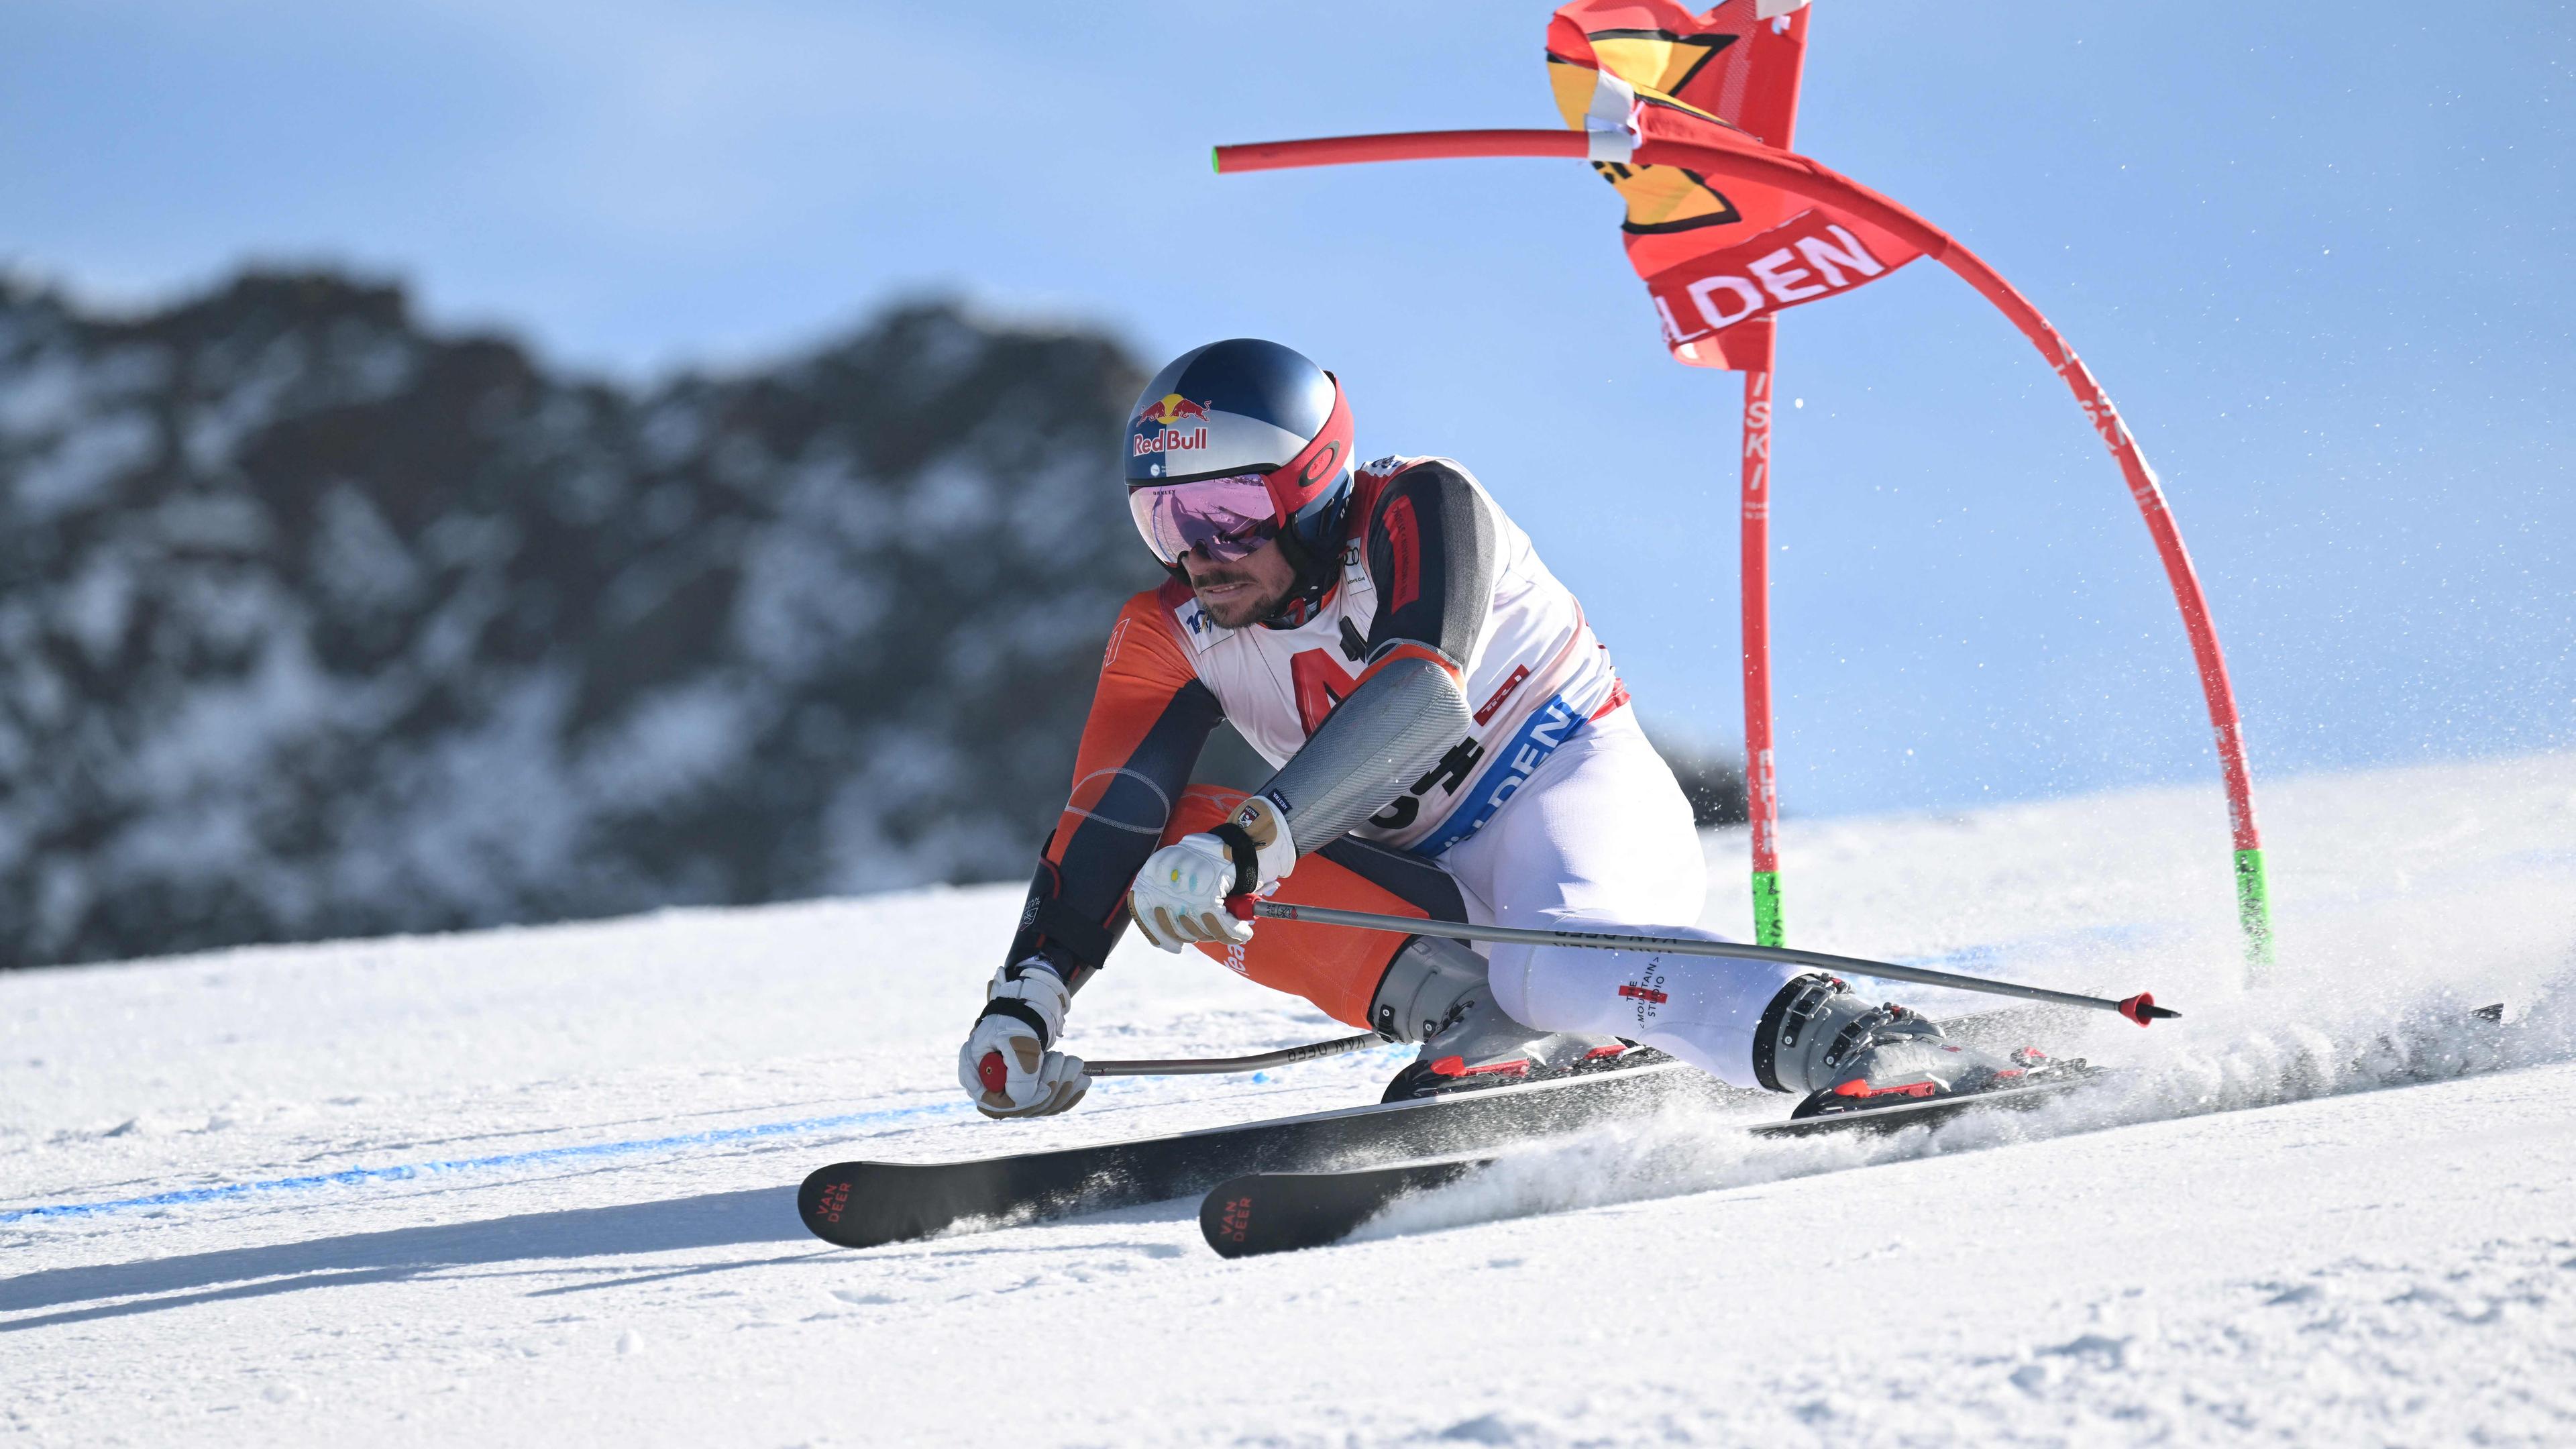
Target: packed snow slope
534	1186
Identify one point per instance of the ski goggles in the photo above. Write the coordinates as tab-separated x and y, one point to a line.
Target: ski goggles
1228	518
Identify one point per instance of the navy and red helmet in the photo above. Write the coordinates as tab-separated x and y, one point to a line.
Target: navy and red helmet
1229	416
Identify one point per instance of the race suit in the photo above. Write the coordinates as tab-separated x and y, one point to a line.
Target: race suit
1549	807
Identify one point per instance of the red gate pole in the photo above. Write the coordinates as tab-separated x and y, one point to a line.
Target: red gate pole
1741	158
1761	781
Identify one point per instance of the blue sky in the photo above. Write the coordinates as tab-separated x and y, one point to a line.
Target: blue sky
2318	255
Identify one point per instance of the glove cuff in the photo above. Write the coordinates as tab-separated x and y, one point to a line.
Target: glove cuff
1022	1012
1032	993
1258	841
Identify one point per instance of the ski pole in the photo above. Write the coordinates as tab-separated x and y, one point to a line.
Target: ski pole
1197	1066
2140	1008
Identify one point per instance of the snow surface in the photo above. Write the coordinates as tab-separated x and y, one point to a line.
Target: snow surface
536	1185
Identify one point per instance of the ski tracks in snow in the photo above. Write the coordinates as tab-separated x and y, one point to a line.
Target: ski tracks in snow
2270	1248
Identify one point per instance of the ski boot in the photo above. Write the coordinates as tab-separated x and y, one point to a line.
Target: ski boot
1819	1039
1434	992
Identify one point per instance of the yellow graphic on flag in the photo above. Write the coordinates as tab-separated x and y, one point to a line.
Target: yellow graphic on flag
1649	65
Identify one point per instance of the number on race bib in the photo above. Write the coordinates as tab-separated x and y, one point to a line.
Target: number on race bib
1321	684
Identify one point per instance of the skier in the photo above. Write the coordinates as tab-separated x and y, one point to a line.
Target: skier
1451	742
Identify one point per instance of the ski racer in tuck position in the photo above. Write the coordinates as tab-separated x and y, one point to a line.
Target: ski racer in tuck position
1450	741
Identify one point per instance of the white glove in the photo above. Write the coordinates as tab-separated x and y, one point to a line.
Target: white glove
1179	897
1005	1065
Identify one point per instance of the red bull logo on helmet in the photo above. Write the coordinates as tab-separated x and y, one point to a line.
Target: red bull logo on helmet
1167	413
1172	408
1169	440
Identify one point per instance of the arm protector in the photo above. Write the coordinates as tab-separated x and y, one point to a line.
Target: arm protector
1394	727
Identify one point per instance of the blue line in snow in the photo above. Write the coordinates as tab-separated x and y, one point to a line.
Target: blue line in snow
405	1171
408	1170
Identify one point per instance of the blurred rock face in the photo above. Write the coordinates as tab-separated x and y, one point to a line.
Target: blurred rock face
315	624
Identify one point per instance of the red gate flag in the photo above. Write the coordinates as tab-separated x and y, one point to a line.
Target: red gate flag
1718	264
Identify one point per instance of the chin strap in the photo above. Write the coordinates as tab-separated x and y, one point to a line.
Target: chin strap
1315	568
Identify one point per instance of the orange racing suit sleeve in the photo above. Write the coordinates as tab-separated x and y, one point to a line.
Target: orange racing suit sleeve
1150	717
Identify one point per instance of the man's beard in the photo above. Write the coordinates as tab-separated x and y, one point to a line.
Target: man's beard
1240	610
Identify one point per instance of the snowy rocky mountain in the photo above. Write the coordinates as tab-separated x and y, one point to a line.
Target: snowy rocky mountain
315	621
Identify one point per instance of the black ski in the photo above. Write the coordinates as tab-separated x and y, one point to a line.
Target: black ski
1277	1212
862	1204
2061	1077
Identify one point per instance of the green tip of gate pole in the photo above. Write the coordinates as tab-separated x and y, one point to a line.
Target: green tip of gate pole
1216	161
1767	927
2254	915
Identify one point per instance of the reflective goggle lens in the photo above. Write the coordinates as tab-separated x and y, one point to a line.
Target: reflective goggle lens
1228	517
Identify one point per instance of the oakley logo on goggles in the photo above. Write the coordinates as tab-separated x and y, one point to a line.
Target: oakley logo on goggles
1230	518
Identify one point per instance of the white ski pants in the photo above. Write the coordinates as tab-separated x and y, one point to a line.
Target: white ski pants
1600	839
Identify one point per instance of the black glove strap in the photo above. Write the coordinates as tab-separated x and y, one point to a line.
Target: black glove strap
1020	1011
1245	855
